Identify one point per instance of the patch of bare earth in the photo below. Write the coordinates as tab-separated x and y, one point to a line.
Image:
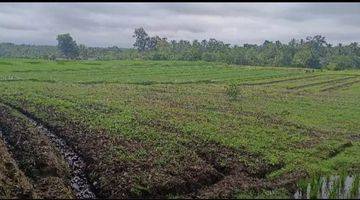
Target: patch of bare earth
35	156
238	170
13	182
231	169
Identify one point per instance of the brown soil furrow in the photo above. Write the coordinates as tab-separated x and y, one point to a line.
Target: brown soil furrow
339	86
236	174
193	181
110	178
78	179
35	156
13	182
232	174
228	186
319	83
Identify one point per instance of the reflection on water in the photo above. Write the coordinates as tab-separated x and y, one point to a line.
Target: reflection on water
333	187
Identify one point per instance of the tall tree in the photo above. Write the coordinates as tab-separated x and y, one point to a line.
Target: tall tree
141	39
67	46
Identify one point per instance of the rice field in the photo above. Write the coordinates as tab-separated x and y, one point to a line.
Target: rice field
147	129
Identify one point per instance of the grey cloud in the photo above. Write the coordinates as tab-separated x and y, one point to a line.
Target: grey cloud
17	27
108	24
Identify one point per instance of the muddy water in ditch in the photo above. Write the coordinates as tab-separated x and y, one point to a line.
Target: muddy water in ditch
332	187
78	179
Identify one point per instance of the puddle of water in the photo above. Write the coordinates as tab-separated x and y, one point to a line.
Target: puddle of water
78	179
338	187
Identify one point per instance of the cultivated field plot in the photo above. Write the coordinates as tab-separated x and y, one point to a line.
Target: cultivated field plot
120	129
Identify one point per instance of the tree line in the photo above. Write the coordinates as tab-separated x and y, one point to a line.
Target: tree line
10	50
70	50
312	52
67	48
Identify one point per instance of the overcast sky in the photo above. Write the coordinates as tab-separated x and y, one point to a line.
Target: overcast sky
109	24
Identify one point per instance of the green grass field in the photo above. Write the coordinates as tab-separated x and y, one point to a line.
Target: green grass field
170	129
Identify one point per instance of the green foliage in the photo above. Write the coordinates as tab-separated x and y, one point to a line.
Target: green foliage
342	62
355	189
315	186
141	39
305	58
312	52
232	91
9	50
67	46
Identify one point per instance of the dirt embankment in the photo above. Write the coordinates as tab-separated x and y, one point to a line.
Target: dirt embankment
13	182
35	156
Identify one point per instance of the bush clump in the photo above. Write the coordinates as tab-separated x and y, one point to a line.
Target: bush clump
232	91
